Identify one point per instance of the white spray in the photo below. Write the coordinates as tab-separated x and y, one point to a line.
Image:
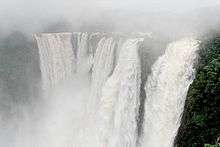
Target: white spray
56	58
166	90
120	99
107	115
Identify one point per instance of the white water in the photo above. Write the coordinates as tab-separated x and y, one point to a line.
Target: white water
102	68
120	99
56	58
166	91
111	61
83	53
106	113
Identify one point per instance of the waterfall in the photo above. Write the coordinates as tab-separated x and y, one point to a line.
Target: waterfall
56	58
102	68
166	90
108	116
83	53
120	99
64	54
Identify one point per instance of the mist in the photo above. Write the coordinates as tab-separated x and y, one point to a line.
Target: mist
31	116
110	15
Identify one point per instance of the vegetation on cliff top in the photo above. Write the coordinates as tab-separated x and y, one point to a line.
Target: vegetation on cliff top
201	117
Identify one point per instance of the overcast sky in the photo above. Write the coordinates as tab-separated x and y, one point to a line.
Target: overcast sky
157	5
32	11
172	5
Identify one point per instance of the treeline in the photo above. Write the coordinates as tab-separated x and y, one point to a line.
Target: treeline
201	118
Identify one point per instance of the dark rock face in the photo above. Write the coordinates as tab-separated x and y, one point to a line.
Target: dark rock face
201	117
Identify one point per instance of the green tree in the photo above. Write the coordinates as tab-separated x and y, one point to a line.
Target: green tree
201	117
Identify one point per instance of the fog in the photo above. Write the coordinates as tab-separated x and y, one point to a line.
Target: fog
24	108
110	15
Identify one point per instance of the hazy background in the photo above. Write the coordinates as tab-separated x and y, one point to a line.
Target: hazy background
19	61
109	15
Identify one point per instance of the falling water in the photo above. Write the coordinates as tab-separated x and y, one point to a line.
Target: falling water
56	58
102	68
120	99
108	114
166	91
83	52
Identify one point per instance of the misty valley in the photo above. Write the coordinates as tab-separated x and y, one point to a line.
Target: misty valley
110	73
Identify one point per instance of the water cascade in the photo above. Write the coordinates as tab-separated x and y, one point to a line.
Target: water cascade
166	90
56	58
111	63
120	99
